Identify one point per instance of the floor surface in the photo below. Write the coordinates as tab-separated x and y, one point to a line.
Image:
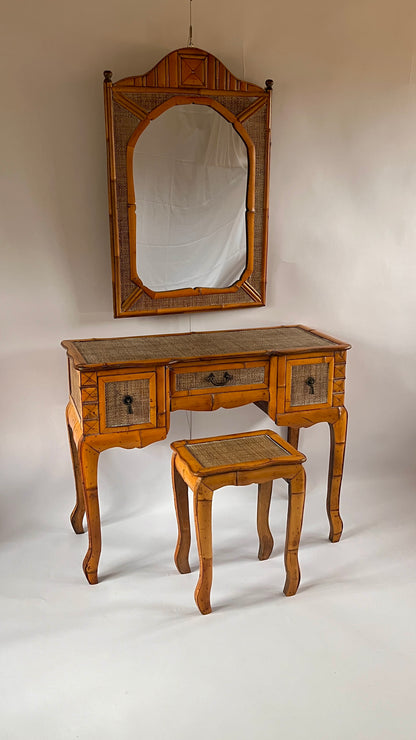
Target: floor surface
133	658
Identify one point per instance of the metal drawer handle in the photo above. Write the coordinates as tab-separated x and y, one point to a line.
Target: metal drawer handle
310	382
128	401
225	379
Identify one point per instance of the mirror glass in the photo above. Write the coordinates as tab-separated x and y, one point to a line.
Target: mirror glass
190	172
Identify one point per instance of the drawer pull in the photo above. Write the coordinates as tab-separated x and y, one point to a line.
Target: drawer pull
310	382
128	401
225	379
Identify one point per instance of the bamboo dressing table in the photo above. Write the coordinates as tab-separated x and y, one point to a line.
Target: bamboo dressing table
122	391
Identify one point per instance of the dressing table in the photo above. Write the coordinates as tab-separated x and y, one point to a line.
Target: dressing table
122	391
188	177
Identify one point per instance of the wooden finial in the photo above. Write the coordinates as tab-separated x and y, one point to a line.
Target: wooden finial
269	84
107	75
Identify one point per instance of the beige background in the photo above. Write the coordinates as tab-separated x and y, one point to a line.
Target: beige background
342	254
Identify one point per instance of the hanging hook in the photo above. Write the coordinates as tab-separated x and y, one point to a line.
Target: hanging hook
190	42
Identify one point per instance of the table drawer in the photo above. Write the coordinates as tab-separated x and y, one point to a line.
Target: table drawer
309	382
217	377
127	401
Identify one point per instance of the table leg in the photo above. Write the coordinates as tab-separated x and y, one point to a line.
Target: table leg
293	531
263	507
338	434
203	527
293	436
78	512
89	463
180	495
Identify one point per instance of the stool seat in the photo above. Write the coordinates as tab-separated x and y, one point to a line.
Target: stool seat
237	459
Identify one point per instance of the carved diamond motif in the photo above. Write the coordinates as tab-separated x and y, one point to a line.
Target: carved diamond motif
193	71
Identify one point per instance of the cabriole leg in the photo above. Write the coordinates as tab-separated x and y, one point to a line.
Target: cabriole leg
89	464
338	435
293	531
263	507
180	495
203	527
78	512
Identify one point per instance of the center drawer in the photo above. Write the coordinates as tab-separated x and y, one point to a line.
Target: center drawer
217	377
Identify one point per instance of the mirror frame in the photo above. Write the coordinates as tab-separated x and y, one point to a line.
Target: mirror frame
184	76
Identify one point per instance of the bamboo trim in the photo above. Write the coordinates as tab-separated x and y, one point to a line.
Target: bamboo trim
252	109
129	105
252	292
134	295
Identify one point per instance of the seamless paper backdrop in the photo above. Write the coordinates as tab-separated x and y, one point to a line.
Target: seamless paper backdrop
342	254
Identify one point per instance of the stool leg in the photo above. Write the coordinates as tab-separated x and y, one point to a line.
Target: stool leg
293	531
263	506
203	527
180	495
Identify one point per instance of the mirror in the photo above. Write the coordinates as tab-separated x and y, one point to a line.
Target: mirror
188	165
190	173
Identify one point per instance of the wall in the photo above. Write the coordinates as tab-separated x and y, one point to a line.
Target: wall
342	222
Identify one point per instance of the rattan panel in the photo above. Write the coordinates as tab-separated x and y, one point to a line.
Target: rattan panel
199	380
196	345
216	453
300	393
117	412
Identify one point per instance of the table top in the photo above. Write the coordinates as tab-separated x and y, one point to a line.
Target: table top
170	348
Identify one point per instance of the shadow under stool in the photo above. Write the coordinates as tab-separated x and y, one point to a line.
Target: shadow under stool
235	460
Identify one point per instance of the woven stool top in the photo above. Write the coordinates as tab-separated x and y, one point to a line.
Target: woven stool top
237	452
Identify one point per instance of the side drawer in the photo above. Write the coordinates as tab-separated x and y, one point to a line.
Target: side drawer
217	377
127	401
309	382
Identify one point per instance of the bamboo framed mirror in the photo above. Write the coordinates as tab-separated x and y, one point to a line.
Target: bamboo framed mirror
188	174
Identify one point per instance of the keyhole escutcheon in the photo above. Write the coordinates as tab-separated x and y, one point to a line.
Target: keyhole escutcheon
310	382
128	401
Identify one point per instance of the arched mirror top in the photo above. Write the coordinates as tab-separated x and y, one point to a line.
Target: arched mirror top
187	137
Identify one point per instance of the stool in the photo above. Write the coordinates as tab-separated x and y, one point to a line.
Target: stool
235	460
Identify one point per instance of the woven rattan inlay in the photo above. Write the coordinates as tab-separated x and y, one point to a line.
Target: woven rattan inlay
220	378
300	394
117	411
236	451
196	345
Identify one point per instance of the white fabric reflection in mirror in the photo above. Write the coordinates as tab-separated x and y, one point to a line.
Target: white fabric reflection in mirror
190	170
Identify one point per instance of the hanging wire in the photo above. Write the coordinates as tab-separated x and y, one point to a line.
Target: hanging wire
190	42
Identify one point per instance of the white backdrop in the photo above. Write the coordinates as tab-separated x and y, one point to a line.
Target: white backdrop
132	657
342	254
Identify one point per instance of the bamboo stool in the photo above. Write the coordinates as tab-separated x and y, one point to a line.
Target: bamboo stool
235	460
